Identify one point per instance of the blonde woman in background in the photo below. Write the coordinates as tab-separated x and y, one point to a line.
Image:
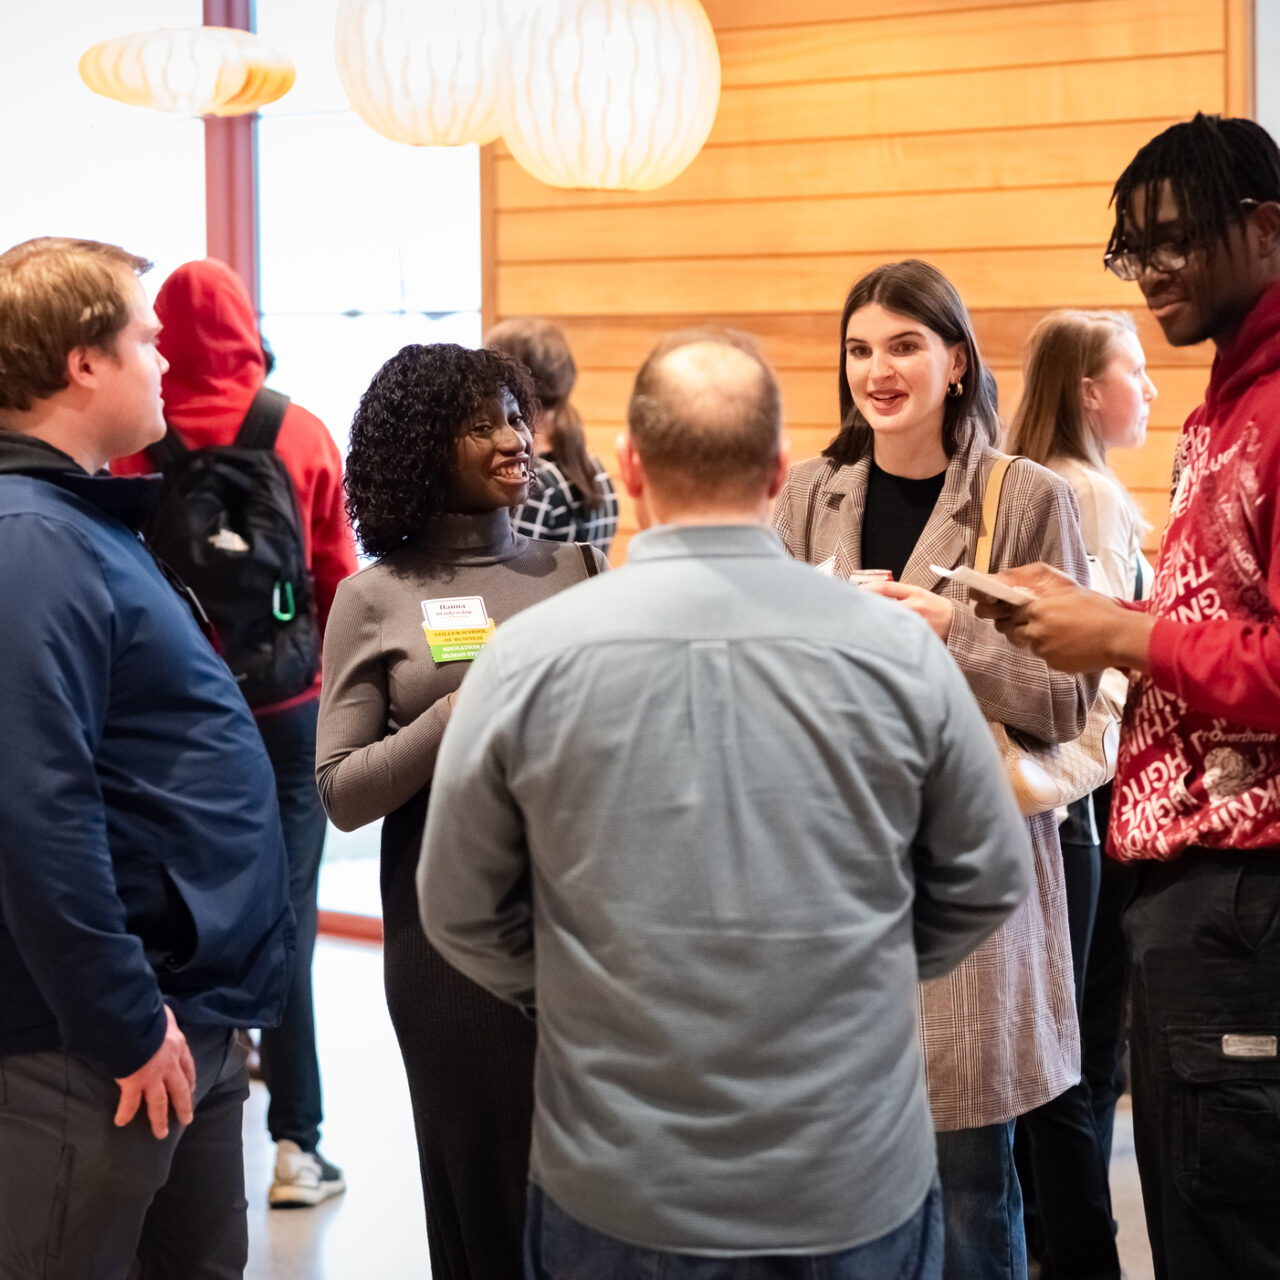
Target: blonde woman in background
572	499
1087	392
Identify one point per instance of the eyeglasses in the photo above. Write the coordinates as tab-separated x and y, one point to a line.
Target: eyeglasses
1167	256
1171	255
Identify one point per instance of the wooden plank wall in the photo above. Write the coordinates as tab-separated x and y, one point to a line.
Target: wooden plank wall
983	136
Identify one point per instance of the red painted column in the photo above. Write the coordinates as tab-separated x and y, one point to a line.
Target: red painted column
231	169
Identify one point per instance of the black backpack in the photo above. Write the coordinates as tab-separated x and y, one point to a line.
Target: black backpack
228	523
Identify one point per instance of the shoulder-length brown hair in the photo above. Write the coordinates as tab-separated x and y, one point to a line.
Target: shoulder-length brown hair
918	290
543	349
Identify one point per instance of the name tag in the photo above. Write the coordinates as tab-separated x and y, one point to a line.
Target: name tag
456	627
452	612
1235	1046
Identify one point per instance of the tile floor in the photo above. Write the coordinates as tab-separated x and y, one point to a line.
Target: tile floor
375	1231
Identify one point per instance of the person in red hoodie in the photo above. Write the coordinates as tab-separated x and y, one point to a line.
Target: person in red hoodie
1196	802
216	366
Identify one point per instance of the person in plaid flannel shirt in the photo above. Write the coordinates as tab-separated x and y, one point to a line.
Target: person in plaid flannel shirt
572	499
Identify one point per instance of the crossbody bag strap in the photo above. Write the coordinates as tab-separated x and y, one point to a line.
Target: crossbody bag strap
990	508
588	560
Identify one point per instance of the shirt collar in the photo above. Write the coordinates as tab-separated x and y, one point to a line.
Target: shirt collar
703	541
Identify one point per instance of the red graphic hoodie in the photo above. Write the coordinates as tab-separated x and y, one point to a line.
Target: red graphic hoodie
216	366
1200	756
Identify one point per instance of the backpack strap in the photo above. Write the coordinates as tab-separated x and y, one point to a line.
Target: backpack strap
168	449
261	424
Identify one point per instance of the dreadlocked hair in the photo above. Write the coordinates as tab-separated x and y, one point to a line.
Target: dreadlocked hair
1211	164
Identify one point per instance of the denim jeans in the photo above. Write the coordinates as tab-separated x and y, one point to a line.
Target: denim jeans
982	1205
290	1066
558	1247
1204	937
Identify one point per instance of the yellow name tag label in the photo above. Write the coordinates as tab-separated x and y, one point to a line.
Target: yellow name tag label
457	644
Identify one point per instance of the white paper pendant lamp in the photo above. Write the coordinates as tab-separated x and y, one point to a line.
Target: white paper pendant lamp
423	72
609	93
198	71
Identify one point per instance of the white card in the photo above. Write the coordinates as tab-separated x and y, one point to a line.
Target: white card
985	583
451	612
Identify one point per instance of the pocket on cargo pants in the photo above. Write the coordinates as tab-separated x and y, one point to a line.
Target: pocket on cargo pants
1226	1140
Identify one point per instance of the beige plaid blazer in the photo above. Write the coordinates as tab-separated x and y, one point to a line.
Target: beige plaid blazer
1000	1034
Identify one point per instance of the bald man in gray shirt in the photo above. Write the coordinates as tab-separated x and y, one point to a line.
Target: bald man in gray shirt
714	815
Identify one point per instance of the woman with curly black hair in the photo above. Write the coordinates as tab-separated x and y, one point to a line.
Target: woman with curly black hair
440	452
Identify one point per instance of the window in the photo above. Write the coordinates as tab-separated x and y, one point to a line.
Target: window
78	164
366	246
1266	51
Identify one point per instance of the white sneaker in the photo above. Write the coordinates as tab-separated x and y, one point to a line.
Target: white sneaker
303	1178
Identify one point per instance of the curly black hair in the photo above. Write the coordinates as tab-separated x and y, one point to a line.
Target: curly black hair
401	457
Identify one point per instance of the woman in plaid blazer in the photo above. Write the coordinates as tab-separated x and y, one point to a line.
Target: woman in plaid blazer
913	454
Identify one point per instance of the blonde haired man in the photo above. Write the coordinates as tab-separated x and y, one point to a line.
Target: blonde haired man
143	889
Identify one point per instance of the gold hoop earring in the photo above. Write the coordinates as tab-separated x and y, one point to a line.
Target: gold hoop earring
955	389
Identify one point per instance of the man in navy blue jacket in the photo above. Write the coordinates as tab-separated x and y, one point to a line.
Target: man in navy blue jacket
143	884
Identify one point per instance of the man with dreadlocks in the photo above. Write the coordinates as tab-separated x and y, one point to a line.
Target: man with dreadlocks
1197	790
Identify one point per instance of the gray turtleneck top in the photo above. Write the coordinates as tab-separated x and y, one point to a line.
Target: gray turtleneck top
385	703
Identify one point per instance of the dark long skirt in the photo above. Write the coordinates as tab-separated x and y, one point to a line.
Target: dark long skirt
469	1061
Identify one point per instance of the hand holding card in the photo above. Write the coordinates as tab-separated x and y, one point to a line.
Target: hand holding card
985	583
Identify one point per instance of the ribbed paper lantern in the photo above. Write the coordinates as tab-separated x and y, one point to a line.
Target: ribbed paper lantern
424	72
197	71
610	93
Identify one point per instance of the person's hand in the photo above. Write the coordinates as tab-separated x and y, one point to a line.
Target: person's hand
1035	579
1072	628
167	1078
934	609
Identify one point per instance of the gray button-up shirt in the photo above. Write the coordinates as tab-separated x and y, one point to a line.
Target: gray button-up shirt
715	814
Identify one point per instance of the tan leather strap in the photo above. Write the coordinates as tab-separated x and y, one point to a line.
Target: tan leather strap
990	506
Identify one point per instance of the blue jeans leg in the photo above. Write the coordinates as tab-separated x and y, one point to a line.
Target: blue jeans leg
559	1247
981	1205
290	1065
